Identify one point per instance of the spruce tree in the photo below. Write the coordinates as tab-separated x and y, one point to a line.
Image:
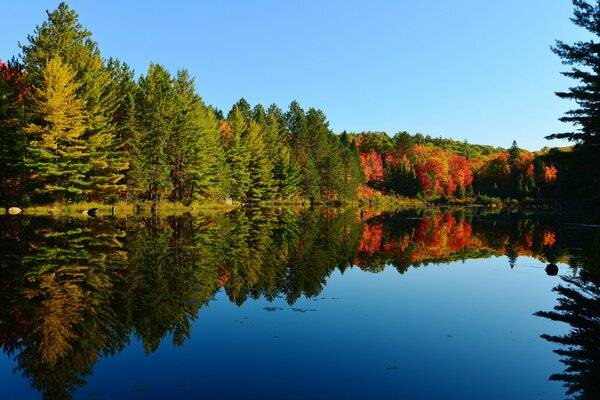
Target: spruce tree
57	156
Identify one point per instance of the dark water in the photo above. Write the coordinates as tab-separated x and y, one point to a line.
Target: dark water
308	305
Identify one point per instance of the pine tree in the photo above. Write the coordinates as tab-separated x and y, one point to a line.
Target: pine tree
150	163
195	149
586	55
325	151
260	166
352	172
125	87
579	171
297	126
238	156
62	35
57	155
286	170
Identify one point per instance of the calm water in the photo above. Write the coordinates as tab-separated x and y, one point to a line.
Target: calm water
308	305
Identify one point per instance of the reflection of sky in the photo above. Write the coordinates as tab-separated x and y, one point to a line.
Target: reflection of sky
441	331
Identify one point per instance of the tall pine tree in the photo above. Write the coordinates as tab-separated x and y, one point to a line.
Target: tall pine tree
62	35
57	155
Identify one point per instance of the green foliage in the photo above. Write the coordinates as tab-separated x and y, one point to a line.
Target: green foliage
150	164
57	155
63	36
580	180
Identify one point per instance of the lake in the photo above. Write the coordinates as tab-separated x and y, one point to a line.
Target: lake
300	304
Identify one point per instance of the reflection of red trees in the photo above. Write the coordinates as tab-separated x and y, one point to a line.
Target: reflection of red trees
224	275
371	239
549	238
436	237
440	236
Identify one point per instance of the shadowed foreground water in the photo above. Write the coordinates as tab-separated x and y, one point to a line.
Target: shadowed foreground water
294	304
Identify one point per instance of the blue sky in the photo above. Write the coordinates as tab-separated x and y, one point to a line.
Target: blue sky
479	70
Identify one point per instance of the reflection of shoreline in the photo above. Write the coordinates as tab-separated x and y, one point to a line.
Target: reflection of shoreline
97	282
444	237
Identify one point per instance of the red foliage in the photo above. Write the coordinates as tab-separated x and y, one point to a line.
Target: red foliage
442	172
550	174
372	164
13	76
549	238
371	239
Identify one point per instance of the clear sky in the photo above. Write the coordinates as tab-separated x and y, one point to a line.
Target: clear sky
479	70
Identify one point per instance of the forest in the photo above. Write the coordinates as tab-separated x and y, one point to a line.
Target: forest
77	126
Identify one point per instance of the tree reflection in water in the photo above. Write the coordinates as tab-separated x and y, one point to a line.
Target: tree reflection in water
579	307
75	289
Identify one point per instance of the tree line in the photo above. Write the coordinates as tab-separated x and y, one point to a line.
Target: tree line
76	126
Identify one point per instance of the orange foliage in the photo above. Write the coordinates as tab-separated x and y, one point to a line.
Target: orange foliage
550	173
226	132
549	238
372	164
365	192
442	172
371	239
224	276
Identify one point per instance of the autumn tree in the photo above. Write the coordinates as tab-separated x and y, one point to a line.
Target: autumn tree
12	143
62	35
57	154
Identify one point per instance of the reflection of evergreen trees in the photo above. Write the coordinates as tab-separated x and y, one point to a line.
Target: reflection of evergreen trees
579	307
75	290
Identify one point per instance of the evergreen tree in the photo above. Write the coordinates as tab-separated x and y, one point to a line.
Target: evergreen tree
285	168
237	155
150	163
579	171
325	150
125	87
62	35
260	166
297	126
195	150
585	57
352	172
57	155
207	173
